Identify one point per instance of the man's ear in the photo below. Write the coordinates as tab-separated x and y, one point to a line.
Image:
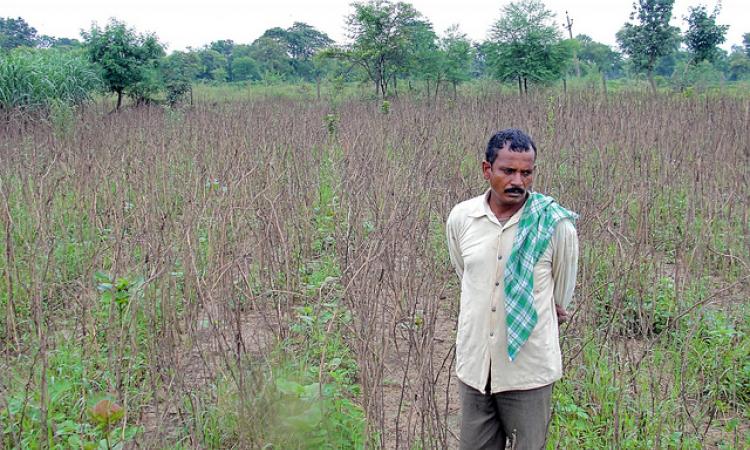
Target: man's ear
486	169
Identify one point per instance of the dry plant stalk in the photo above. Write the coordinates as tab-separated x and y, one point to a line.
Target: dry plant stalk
214	207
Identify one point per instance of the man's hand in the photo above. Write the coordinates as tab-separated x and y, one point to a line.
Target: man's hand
562	313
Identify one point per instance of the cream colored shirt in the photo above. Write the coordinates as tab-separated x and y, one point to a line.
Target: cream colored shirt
479	246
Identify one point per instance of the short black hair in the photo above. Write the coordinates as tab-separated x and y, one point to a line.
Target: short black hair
515	139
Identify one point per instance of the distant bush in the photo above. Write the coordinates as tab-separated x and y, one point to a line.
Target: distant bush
34	79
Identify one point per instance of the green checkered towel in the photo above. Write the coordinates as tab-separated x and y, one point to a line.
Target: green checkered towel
540	215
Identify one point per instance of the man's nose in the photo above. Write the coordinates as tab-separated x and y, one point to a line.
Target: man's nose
516	179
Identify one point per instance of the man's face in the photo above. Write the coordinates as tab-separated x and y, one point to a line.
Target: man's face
510	176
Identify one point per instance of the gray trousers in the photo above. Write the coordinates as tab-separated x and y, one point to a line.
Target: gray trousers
487	420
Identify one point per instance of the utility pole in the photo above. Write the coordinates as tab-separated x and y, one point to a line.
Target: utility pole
569	27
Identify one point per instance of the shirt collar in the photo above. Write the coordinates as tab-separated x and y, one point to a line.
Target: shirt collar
481	207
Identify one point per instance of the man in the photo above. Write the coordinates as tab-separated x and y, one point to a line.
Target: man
516	254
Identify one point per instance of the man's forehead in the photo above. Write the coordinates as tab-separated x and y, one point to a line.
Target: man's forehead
506	156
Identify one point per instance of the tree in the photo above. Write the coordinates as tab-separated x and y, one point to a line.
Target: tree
225	47
178	70
246	68
272	58
304	41
325	67
601	57
301	42
651	38
702	39
738	64
703	35
746	43
481	51
213	65
422	59
381	34
45	41
458	58
525	45
126	58
16	33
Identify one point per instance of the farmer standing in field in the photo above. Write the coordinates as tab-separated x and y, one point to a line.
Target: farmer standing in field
516	254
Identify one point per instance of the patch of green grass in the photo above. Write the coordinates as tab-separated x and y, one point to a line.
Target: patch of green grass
606	401
75	383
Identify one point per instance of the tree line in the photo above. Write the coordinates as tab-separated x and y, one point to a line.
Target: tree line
391	43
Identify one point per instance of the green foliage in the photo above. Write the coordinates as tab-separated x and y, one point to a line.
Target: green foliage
303	40
385	107
383	34
422	58
246	68
313	414
279	54
212	65
738	65
126	58
225	48
177	72
651	37
701	76
525	45
63	119
458	56
292	406
16	33
272	58
599	57
643	312
607	403
119	291
37	79
301	43
331	122
79	412
720	358
53	42
150	85
703	34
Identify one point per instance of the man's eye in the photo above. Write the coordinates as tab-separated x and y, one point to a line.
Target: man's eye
508	171
526	173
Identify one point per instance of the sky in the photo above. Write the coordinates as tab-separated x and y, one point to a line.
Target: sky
189	23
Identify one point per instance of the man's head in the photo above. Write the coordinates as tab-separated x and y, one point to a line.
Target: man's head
512	138
509	167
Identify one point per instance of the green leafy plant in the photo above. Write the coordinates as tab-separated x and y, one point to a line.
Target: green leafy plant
118	290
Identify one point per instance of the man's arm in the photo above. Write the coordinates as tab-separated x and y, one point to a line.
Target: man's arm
454	250
564	266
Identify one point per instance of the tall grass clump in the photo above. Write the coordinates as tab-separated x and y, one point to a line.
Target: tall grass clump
34	80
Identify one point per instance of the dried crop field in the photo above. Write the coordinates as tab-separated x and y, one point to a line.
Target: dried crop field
274	271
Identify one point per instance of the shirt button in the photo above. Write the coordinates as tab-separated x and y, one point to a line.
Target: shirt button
494	309
500	257
492	334
497	283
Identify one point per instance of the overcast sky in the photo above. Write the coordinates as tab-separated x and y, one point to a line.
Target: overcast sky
190	23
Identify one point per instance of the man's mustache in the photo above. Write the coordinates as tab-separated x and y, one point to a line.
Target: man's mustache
515	190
